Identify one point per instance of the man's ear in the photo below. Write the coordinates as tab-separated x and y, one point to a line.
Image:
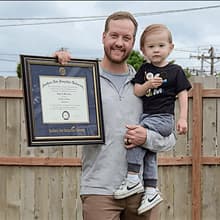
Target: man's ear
103	36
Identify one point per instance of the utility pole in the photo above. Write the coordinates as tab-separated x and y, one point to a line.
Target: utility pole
212	57
205	58
202	62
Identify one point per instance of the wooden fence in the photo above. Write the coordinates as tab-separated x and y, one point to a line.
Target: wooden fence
43	182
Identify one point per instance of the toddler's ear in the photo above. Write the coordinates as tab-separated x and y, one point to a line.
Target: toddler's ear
171	46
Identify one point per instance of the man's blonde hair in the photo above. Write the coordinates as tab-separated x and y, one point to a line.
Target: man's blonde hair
152	29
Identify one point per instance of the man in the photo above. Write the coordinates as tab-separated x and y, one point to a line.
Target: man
104	166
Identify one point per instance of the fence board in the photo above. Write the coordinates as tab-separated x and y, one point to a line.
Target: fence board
216	168
196	152
3	193
209	121
13	139
209	148
209	192
218	122
166	186
3	172
13	119
13	193
41	190
182	192
69	186
190	128
23	138
55	193
3	134
217	190
69	193
78	202
27	193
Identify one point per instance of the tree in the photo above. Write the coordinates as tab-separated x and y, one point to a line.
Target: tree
135	59
19	70
187	72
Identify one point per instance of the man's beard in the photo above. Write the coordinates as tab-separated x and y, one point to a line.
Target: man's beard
116	61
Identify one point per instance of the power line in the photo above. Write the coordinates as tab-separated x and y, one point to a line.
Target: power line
95	18
52	18
52	22
184	50
7	60
8	54
180	58
177	10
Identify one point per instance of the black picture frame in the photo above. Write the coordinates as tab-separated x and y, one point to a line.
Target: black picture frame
62	102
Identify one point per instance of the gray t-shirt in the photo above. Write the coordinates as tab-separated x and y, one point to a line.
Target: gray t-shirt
117	79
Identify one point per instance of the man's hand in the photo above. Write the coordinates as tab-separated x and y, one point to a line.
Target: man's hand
135	135
63	56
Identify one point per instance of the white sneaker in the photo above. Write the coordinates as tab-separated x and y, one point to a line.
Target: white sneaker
127	189
149	201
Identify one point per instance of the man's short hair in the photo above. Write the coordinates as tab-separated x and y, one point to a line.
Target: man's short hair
119	16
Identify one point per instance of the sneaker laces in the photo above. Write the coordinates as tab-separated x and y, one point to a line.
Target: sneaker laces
122	184
144	197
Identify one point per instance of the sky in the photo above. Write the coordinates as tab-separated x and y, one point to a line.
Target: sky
194	31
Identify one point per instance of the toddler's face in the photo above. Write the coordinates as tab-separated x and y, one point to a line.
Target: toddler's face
157	47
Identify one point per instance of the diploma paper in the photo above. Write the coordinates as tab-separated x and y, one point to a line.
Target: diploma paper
64	99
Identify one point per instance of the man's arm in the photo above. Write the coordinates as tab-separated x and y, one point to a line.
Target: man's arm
157	143
137	135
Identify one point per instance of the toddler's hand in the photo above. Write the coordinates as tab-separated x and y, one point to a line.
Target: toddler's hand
181	126
155	82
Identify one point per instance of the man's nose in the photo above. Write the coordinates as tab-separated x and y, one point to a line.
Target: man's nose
119	41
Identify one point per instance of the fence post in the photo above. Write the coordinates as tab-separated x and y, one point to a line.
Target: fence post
196	151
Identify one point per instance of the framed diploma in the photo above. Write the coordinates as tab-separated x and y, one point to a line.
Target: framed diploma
62	102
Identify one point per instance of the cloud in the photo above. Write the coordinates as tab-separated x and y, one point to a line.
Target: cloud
191	30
